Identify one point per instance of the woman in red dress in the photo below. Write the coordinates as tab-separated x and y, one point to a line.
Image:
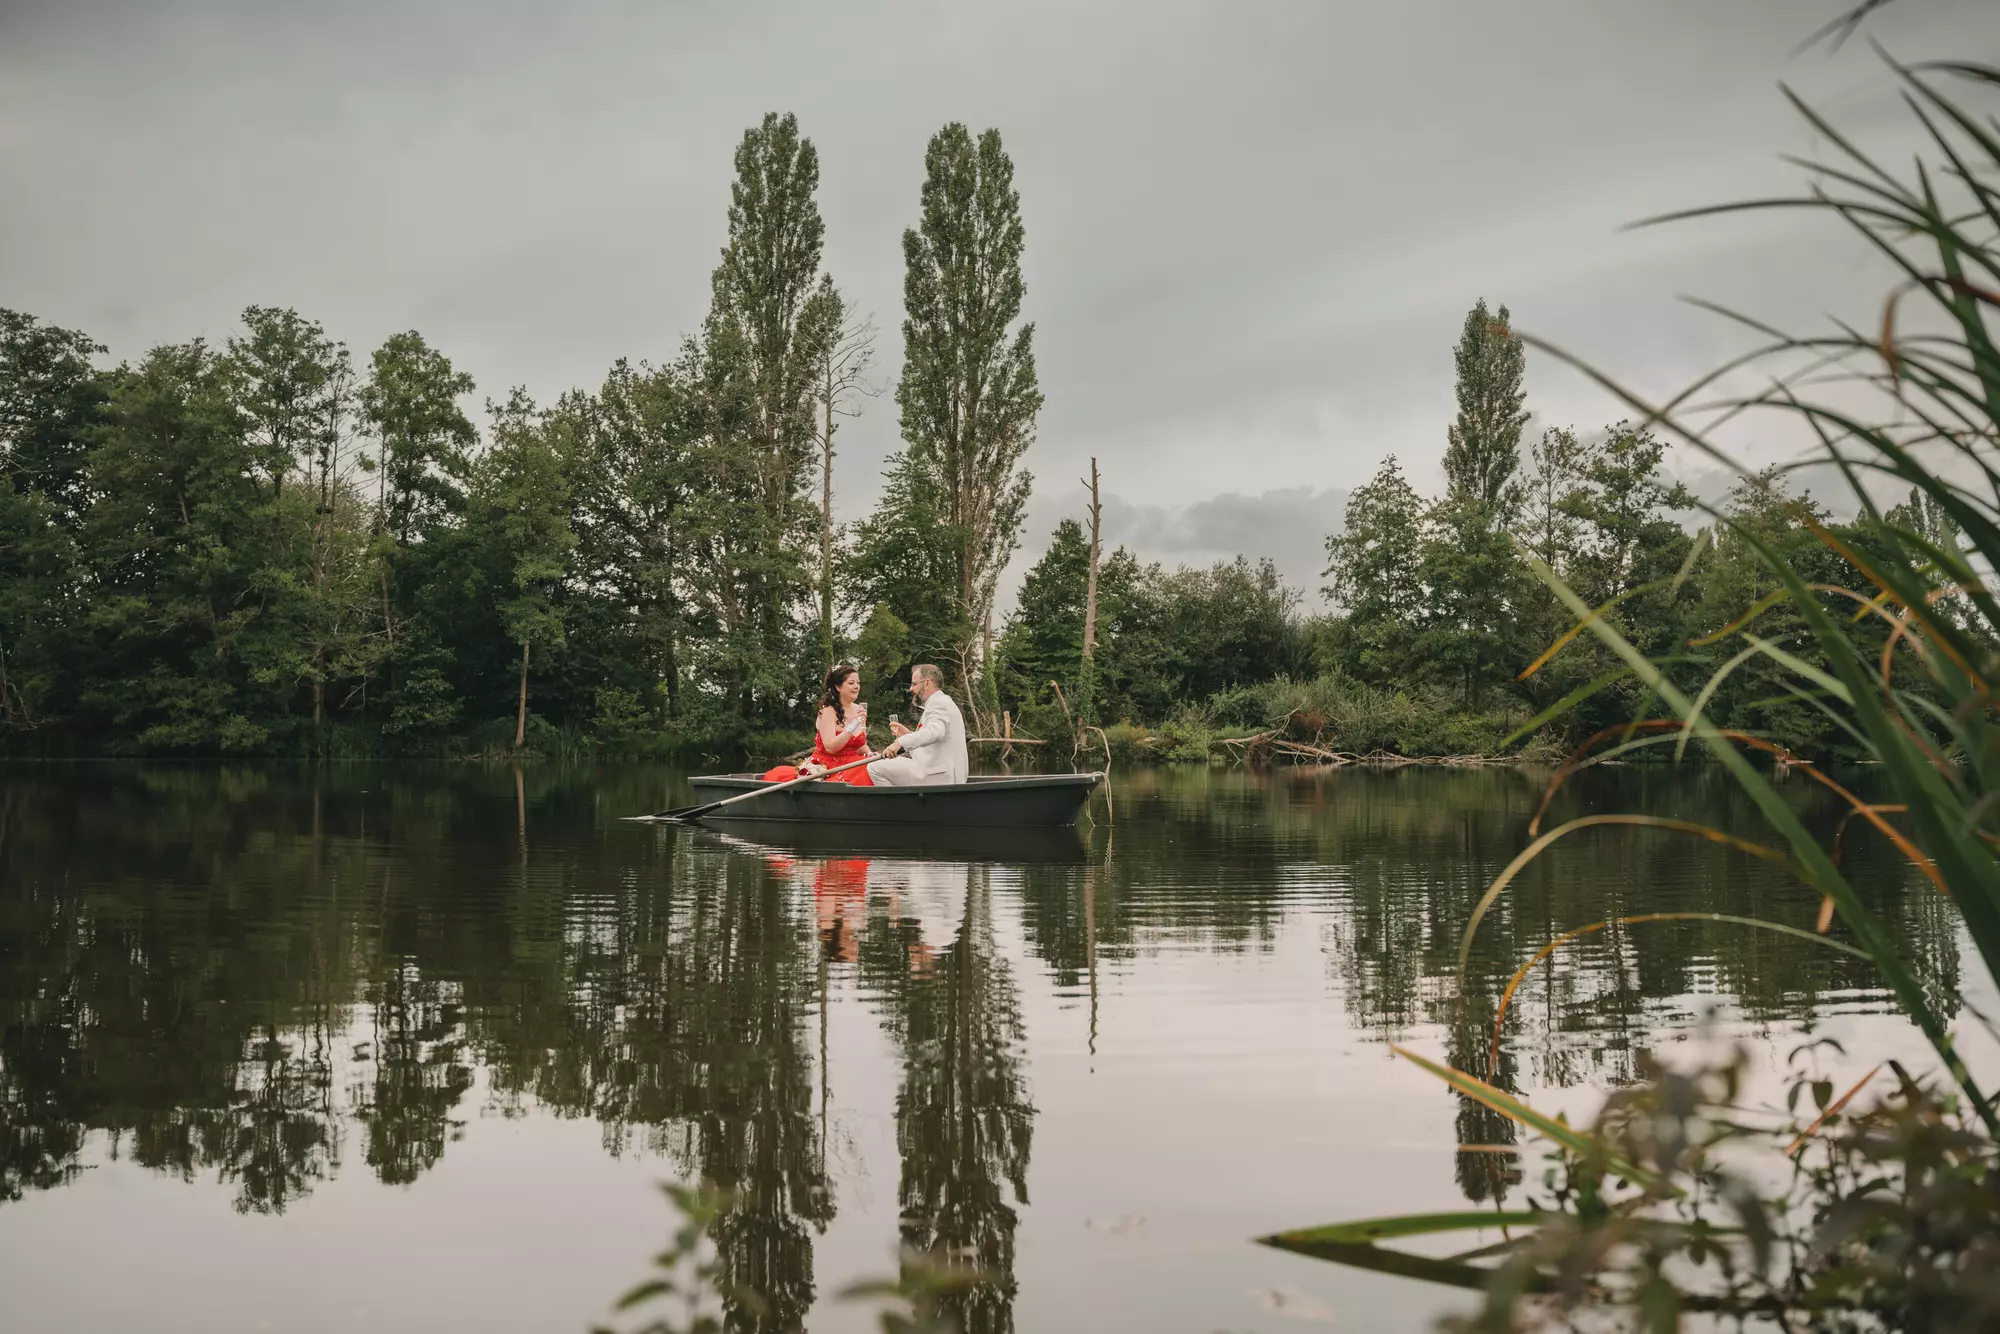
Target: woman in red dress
840	733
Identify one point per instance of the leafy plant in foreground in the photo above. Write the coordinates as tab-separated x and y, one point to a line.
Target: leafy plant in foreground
1882	1218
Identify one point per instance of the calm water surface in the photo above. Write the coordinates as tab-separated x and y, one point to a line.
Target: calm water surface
400	1048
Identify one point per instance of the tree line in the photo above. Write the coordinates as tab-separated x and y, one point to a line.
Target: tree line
271	546
1439	621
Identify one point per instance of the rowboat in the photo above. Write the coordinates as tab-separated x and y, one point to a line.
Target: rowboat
983	801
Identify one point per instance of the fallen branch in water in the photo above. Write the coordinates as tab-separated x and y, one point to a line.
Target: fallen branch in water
1384	759
1276	743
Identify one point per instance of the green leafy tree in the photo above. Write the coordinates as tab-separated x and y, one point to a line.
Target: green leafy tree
1043	639
179	624
1133	670
905	556
424	441
1474	634
51	398
51	401
291	378
1373	573
522	497
1553	494
1924	519
40	573
637	477
1229	625
422	461
1756	696
1622	507
968	393
296	392
882	651
730	558
1598	513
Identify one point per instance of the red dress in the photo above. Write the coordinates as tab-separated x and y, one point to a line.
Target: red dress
849	746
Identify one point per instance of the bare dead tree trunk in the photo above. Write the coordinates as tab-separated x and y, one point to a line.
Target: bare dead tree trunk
843	383
1090	581
828	401
986	681
388	545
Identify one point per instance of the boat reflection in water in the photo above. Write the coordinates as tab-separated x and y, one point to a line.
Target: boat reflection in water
915	924
1034	845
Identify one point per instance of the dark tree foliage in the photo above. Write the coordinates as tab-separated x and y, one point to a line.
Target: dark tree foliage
256	549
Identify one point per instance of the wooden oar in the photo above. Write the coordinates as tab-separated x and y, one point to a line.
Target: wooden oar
696	812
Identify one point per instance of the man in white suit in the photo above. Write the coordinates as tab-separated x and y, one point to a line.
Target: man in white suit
933	752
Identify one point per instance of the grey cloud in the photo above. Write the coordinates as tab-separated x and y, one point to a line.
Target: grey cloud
1289	527
1252	229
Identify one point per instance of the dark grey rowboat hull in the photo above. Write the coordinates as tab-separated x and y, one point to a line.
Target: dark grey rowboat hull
987	800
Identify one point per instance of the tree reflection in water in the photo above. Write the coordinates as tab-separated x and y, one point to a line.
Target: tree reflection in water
963	1119
221	972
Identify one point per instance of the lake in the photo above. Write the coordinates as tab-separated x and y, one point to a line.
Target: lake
406	1047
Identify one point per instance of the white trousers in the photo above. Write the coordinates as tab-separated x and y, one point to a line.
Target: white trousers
901	771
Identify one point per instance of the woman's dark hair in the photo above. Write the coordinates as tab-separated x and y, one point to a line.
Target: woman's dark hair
830	697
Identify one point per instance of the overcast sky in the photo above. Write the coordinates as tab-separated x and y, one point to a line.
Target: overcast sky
1253	227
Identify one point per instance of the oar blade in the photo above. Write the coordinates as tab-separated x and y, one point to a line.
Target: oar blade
684	815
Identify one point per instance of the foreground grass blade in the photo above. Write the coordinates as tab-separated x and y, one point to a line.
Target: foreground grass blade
1369	1230
1576	1141
1400	1264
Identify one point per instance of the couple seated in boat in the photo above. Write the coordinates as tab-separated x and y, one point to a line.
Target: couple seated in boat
930	753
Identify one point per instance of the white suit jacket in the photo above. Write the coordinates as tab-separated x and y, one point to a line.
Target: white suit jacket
938	743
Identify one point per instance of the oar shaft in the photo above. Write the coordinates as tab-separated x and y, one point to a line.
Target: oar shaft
778	787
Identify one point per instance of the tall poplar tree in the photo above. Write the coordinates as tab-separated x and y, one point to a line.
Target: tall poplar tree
968	393
769	324
1476	585
1484	443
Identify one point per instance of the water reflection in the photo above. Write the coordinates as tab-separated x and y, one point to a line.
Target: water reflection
246	974
963	1119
